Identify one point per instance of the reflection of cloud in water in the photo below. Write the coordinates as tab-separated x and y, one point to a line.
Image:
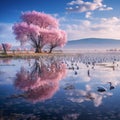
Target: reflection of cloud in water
88	96
85	78
104	73
107	76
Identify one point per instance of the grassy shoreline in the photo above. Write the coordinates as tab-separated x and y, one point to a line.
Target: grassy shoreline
31	55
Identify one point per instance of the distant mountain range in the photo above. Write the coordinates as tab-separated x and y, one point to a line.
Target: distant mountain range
93	43
88	43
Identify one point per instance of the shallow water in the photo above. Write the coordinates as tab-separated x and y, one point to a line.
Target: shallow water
61	88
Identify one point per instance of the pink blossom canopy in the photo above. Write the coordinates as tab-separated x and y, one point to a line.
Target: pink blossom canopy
40	19
39	29
40	87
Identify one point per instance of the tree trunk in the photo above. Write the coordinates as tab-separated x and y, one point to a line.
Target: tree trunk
4	49
38	50
51	49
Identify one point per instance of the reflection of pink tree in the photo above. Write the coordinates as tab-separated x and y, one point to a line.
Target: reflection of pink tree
56	71
41	82
42	92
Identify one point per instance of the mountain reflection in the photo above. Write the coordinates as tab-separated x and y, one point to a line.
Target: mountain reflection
41	81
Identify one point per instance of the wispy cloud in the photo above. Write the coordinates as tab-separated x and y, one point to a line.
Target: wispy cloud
97	28
81	6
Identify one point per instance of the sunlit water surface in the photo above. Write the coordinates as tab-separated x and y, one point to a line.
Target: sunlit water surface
79	87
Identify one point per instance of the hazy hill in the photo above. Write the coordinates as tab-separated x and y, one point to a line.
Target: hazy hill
88	43
93	43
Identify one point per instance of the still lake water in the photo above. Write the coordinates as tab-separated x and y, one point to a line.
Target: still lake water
61	88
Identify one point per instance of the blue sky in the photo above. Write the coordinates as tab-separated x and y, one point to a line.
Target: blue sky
79	18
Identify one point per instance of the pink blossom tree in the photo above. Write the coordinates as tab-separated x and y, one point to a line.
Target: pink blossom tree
6	47
56	38
34	28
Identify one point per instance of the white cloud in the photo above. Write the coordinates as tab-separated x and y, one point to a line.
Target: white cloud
98	1
75	2
88	15
6	33
107	9
81	6
99	28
